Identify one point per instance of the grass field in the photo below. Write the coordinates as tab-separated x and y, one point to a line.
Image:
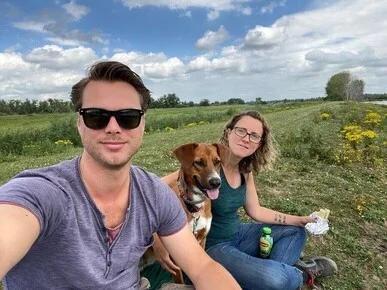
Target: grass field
18	122
320	167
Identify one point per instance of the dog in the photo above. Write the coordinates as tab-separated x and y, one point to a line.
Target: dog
198	183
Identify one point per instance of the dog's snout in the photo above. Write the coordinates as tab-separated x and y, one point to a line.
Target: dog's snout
215	182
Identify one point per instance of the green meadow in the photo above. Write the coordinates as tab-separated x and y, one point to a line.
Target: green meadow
333	155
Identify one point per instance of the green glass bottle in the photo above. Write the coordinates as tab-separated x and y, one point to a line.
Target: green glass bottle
265	243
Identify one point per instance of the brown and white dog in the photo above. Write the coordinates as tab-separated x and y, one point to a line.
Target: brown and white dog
198	182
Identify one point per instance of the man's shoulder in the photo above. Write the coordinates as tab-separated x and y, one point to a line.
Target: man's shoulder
143	175
64	170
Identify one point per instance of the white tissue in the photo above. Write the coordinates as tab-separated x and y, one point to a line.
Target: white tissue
320	227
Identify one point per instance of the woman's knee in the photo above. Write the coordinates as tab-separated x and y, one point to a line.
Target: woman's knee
301	232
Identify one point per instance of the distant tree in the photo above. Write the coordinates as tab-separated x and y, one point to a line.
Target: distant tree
235	101
44	107
169	101
355	90
375	97
343	87
154	103
258	101
4	108
28	107
204	102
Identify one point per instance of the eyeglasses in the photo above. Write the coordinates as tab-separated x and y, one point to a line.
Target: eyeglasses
242	132
97	119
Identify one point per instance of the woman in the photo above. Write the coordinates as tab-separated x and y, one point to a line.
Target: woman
235	245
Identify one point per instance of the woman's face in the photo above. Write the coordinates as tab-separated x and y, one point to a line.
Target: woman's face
245	137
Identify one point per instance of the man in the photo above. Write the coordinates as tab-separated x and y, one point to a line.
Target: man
86	222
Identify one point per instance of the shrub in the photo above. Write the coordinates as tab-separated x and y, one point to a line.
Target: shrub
305	143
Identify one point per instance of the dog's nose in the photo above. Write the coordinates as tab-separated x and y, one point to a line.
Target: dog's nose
215	182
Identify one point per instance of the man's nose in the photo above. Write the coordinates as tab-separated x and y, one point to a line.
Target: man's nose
113	126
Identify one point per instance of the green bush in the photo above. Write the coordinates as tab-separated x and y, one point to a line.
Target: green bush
305	143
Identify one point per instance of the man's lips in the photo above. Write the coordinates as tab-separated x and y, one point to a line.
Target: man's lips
113	145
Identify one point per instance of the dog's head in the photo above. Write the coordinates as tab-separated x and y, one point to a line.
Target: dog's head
200	164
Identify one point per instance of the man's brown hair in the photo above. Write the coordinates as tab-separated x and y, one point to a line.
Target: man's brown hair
110	71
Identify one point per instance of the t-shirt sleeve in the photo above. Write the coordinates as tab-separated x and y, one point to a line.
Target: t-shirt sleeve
172	215
40	196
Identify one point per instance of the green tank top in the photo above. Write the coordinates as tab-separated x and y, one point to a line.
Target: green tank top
225	219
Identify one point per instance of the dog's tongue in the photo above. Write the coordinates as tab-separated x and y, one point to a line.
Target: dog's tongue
213	193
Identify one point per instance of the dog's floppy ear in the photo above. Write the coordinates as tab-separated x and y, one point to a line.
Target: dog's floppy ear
185	153
223	152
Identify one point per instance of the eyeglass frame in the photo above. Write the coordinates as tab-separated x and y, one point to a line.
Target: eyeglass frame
247	133
116	114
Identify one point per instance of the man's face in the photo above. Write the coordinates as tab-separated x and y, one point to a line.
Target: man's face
111	147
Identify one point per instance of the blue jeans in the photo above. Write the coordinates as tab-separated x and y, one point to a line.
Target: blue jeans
240	257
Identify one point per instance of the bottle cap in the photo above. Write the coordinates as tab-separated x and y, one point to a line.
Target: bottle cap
266	230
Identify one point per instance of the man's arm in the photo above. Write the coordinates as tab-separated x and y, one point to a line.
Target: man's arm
204	272
19	229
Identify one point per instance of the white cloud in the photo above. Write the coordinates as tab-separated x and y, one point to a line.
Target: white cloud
171	68
272	5
187	14
151	65
48	71
215	7
55	58
31	26
210	39
75	10
57	27
200	63
178	4
247	11
63	41
212	15
22	80
264	37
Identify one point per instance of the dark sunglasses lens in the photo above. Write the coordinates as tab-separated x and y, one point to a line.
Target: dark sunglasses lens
128	119
96	119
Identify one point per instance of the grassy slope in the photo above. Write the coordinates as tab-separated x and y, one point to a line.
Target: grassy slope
296	185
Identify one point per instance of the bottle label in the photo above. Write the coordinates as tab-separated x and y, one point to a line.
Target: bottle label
265	245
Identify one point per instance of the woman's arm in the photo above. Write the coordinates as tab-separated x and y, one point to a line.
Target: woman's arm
265	215
203	271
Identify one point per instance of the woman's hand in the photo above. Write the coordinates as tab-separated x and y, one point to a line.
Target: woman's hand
303	220
162	256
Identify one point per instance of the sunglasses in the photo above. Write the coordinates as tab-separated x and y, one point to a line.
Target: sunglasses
97	119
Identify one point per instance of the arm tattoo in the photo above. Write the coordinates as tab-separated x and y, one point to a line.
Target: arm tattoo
280	218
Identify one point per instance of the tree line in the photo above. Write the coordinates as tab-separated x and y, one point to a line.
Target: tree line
28	107
342	86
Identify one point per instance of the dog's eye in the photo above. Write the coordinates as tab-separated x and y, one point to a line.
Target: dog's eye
199	163
217	161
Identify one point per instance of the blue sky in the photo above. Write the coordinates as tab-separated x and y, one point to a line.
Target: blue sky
197	49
